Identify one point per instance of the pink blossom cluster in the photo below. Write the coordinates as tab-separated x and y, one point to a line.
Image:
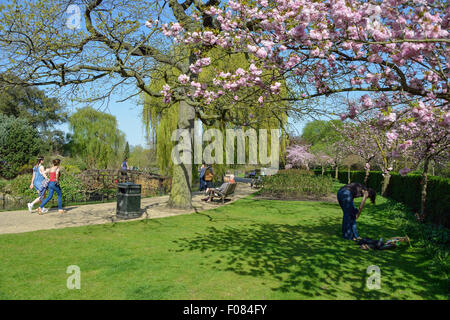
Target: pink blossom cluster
150	23
427	132
167	93
183	79
174	30
196	67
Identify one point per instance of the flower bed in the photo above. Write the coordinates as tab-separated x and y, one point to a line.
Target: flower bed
296	184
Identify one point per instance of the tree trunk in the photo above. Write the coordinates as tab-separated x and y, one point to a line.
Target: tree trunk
337	173
323	170
366	178
386	179
423	196
181	194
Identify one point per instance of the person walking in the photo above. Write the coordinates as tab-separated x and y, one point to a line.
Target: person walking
208	177
345	196
125	164
53	186
124	168
37	180
202	181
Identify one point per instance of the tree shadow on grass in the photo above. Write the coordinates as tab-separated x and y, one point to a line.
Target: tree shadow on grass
311	261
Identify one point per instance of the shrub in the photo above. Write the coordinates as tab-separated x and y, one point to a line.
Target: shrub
70	187
71	169
19	142
296	171
20	186
296	184
73	164
434	239
3	184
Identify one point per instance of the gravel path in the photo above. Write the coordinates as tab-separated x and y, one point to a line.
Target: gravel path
24	221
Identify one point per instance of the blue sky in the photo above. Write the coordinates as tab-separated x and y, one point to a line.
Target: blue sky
128	115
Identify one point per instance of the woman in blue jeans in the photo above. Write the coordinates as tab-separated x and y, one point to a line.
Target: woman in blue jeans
345	196
53	186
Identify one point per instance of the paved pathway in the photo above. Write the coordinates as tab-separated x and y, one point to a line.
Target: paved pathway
24	221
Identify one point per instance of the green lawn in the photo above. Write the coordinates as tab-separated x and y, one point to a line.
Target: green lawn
250	249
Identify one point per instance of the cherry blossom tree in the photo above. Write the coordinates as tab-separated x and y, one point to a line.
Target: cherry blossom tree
359	141
428	135
337	151
299	156
323	160
395	49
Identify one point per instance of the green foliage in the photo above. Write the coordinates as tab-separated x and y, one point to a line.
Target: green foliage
3	184
319	133
53	141
73	164
70	187
407	189
96	138
31	104
19	143
294	183
71	169
142	158
434	239
20	186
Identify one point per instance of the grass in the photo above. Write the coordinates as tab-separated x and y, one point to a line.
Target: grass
250	249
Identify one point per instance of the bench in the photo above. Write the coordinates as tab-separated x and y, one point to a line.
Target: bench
256	182
229	190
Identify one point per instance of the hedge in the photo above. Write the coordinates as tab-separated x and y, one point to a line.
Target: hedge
407	189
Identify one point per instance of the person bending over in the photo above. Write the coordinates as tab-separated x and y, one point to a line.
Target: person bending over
345	196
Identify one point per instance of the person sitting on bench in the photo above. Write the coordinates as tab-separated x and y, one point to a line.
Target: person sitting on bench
210	191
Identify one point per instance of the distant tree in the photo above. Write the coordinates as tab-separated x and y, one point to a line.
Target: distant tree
126	152
142	158
96	138
298	156
19	143
323	160
32	104
52	141
41	112
320	132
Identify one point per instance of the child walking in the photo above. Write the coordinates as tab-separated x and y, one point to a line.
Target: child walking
53	186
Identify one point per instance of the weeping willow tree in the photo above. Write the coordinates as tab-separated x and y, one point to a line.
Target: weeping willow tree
96	138
159	123
160	119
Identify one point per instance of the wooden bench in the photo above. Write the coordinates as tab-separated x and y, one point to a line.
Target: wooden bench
229	191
